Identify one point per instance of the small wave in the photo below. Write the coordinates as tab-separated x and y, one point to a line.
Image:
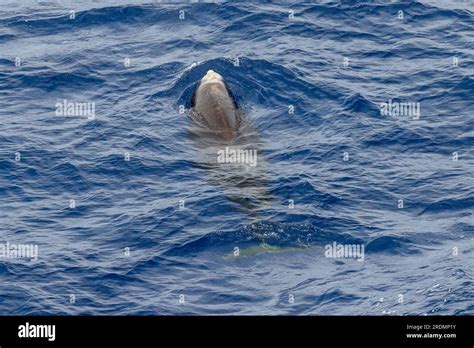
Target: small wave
357	103
392	245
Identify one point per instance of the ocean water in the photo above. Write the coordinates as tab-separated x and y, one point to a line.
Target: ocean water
129	218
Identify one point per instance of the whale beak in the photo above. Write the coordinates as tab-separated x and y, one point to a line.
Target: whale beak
211	75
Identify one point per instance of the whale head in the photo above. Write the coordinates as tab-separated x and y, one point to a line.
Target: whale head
212	76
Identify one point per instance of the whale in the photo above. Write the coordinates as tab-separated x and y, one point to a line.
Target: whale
214	107
218	125
219	130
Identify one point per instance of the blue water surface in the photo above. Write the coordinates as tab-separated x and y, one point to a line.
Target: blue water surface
310	78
